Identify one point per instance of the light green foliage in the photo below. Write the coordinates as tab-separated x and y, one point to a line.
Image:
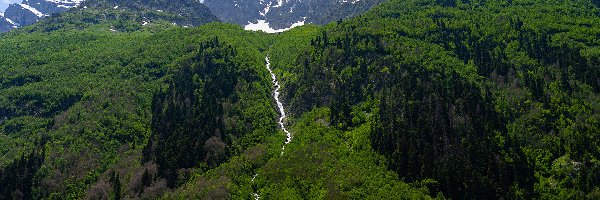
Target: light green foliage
410	100
325	163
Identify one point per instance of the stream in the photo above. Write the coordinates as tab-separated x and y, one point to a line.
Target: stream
279	105
282	115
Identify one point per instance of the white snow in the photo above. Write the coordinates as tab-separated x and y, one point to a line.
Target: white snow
11	22
279	3
266	10
263	25
60	4
66	1
33	10
352	1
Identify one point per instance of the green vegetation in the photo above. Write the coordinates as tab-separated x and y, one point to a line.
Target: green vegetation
216	106
90	92
485	99
411	100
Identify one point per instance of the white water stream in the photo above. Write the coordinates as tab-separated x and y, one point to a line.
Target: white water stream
279	105
281	113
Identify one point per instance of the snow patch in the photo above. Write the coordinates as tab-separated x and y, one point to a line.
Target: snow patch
15	25
350	1
279	3
266	10
263	25
33	10
66	1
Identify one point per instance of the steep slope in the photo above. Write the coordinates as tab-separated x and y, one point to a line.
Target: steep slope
127	16
414	99
280	14
269	15
80	62
149	111
30	11
5	24
320	162
89	95
476	100
182	12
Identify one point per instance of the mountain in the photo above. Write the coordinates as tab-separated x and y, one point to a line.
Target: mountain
282	14
30	11
427	99
267	15
5	25
180	12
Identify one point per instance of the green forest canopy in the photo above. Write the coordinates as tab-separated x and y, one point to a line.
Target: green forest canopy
449	99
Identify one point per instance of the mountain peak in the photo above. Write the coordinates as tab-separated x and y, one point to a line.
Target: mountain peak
30	11
180	12
270	16
279	15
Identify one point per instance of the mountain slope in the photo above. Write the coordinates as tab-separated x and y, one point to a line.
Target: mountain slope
411	100
30	11
280	14
182	12
96	100
274	14
5	25
127	16
480	100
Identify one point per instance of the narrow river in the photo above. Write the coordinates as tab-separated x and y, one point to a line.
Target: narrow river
282	115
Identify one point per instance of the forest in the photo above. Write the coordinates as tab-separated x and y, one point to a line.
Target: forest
414	99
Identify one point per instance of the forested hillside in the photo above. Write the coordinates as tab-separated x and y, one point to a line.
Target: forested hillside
482	100
414	99
89	94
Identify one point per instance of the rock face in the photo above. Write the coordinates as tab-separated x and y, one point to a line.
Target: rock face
261	14
180	12
5	25
281	14
30	11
